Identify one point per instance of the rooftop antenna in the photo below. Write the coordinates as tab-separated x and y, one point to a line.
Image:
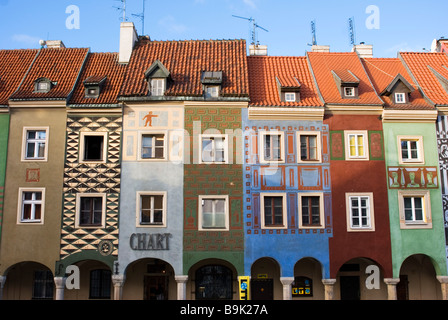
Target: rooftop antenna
254	28
313	33
351	28
142	17
122	9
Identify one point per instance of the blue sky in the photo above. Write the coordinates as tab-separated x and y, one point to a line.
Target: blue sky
393	25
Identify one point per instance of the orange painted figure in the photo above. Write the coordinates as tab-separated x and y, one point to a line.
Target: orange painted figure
148	118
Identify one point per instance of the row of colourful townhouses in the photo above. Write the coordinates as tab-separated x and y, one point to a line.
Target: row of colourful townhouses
175	170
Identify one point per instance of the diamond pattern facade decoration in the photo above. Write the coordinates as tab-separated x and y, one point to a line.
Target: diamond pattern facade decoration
91	178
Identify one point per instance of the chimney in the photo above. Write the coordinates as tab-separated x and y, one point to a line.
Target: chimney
128	37
258	50
317	48
363	50
53	44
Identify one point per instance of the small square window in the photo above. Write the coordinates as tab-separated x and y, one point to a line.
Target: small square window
410	149
211	92
400	98
153	146
93	147
311	210
290	96
35	144
214	149
349	91
31	205
151	209
356	145
90	210
272	147
157	87
213	213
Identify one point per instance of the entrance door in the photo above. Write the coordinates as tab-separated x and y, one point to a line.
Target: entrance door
350	288
262	289
402	288
156	288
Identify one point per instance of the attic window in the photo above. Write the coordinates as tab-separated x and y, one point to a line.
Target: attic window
211	82
157	77
349	91
43	85
290	96
347	83
289	88
400	97
93	86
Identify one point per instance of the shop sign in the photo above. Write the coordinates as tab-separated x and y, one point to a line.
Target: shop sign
149	242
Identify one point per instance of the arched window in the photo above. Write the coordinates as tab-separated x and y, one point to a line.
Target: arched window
213	282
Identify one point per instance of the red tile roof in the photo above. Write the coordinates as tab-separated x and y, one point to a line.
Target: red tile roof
323	63
382	71
99	66
185	60
291	72
13	67
420	65
61	66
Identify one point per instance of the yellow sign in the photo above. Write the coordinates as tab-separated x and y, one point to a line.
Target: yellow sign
244	287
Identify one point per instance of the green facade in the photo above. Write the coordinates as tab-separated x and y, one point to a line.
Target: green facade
424	239
4	131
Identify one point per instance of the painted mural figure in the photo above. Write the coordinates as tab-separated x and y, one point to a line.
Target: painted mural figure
148	119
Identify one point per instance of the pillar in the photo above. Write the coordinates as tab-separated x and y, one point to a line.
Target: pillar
391	287
2	285
444	282
287	288
329	288
60	286
118	282
181	287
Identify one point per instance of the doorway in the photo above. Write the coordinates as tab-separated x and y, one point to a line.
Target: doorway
155	288
262	289
350	288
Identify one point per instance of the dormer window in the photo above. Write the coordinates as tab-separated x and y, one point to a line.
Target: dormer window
211	82
43	85
288	89
400	97
158	78
93	86
398	90
349	91
347	83
290	96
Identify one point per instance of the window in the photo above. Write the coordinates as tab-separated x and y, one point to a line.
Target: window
400	98
100	284
415	209
43	85
360	212
356	145
214	149
349	91
214	282
35	144
92	92
43	284
411	149
311	210
153	146
272	147
290	96
91	208
93	147
309	146
151	209
213	213
157	87
211	92
31	205
273	210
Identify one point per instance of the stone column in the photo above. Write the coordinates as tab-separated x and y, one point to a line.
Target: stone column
181	287
329	288
60	286
444	282
287	288
391	287
2	285
118	282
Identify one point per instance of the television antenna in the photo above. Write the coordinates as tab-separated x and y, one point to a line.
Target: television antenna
254	28
142	17
122	10
313	33
351	28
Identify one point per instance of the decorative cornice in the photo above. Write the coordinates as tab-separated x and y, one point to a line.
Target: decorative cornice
277	113
410	115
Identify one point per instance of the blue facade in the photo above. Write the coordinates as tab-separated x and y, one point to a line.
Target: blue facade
292	181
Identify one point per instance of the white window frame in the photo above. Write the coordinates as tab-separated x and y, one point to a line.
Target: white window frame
284	210
153	133
365	140
211	92
79	196
352	90
158	87
262	146
370	211
226	147
200	214
318	146
82	150
25	144
426	223
420	152
321	209
402	98
290	97
21	203
139	209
